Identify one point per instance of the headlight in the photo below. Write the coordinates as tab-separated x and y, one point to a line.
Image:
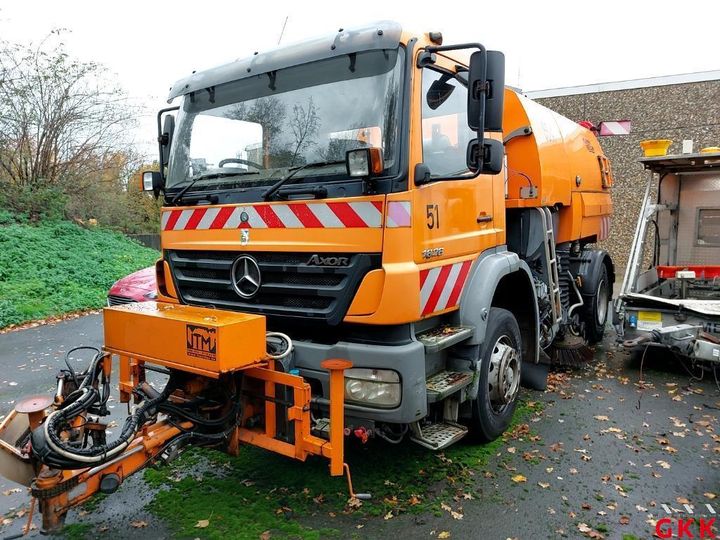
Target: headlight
377	387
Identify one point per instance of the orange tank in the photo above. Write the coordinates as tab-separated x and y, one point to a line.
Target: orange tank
553	161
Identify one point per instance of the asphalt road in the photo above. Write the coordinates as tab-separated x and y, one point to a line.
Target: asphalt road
613	443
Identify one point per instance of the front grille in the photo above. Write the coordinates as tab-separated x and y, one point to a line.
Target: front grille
114	300
290	287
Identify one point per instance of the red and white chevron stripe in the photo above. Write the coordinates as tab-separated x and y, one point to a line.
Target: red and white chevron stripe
398	214
331	215
604	228
616	127
440	287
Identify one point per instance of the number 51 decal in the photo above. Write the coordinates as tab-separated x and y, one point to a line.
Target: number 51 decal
433	216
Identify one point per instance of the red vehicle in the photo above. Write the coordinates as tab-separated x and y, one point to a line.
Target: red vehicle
136	287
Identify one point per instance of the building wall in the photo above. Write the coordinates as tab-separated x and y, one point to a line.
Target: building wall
675	112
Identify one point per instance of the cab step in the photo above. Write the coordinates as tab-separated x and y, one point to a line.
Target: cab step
446	383
437	436
441	337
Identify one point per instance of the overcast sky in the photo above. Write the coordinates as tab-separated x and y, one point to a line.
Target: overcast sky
150	44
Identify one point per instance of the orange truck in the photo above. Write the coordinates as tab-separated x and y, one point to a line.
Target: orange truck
363	235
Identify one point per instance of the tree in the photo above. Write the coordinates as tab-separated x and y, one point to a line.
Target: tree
304	125
62	122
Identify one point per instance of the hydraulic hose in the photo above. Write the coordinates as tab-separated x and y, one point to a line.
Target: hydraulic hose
51	449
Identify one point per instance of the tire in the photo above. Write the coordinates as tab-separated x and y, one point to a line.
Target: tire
493	408
596	314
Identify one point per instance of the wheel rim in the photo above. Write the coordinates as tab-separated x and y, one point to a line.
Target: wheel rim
504	374
602	303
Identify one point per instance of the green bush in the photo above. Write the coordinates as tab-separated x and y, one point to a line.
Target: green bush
58	267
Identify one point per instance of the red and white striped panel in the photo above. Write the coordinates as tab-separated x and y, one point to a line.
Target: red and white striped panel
618	127
604	227
331	215
440	287
398	214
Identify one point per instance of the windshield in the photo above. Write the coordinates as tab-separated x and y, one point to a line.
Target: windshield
254	131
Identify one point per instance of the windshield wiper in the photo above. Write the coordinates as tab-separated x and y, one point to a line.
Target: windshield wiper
285	179
183	191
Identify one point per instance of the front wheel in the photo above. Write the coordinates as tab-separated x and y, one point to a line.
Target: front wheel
500	363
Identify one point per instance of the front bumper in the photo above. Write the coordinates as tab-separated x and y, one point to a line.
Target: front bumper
407	359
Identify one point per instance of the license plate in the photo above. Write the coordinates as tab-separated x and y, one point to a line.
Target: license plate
649	320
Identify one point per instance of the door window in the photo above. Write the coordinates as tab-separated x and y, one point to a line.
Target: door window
445	131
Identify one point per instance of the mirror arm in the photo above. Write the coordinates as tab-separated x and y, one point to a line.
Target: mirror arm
440	48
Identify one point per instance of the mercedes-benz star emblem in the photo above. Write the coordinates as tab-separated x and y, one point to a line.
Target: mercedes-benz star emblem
245	276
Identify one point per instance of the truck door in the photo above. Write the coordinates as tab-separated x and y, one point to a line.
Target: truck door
455	212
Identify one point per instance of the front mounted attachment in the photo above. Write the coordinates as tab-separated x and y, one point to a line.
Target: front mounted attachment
216	394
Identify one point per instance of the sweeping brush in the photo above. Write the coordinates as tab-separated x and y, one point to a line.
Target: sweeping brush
570	351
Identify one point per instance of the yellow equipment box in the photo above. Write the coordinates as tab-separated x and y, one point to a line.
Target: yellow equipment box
188	338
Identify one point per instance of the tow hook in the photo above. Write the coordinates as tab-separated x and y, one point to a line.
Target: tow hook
362	434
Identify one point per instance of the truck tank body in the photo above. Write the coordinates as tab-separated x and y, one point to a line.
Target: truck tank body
553	161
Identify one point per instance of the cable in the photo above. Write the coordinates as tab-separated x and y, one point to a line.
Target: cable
282	337
80	348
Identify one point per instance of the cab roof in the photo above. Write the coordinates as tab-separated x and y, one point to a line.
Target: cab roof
381	35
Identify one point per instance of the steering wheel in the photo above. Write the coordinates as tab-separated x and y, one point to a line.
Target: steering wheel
241	162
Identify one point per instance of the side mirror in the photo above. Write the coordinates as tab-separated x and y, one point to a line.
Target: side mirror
165	139
488	158
439	92
477	82
495	91
152	181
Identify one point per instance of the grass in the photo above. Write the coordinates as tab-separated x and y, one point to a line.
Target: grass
76	531
258	491
58	267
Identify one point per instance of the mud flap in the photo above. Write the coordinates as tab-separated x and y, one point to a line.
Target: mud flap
534	376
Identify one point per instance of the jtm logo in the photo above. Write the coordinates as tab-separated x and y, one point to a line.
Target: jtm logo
201	342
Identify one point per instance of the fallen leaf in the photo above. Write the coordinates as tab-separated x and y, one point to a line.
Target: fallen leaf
139	524
389	515
202	523
624	520
586	506
663	464
444	534
265	535
601	417
512	449
543	485
710	496
682	500
518	478
11	491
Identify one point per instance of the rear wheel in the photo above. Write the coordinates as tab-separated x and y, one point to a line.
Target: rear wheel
500	363
595	315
